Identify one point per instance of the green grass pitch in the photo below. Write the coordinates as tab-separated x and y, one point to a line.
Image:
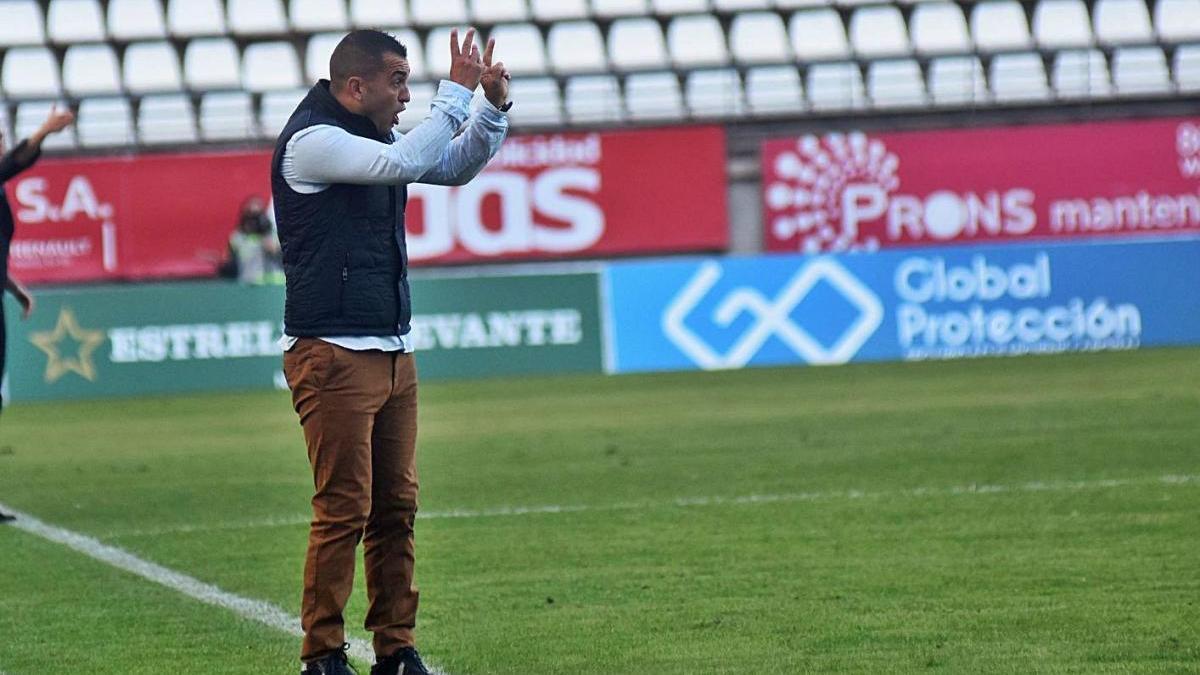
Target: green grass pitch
1024	515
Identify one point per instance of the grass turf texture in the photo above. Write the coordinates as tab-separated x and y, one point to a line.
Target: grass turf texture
858	569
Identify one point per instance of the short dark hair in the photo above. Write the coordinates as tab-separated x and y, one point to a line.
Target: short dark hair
361	53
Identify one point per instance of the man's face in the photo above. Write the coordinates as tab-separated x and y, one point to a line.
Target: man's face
385	93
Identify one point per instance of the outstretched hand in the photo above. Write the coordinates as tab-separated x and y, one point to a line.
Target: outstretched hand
57	120
466	66
495	78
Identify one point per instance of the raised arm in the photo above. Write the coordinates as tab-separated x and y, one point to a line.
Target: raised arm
27	151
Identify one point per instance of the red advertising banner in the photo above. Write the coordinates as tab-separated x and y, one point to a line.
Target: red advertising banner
860	191
542	197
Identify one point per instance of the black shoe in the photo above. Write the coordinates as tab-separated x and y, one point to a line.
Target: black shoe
334	663
404	662
6	518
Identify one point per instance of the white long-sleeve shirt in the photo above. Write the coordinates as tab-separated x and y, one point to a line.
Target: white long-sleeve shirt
321	155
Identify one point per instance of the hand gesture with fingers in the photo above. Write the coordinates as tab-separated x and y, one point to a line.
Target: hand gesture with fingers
495	78
57	120
466	66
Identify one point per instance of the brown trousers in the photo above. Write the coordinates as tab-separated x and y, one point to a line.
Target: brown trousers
359	414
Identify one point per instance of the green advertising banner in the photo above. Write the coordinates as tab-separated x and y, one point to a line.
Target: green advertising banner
201	336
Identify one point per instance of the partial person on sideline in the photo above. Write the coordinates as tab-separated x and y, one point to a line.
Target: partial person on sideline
339	177
253	254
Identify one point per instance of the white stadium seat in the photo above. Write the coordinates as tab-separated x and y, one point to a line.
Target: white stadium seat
318	15
541	102
593	98
498	11
1019	77
1080	74
376	13
1122	22
557	10
212	63
90	70
167	118
270	66
653	96
774	90
957	80
439	13
672	7
136	19
737	5
520	47
105	122
227	116
73	21
759	37
1059	24
186	18
999	25
715	93
152	67
437	52
1140	70
878	31
1187	68
316	55
30	116
697	40
895	84
257	17
613	8
635	44
818	34
1177	20
276	107
30	72
835	86
576	47
21	23
940	28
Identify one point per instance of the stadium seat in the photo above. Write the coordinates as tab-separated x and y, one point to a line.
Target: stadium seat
257	17
834	86
105	122
211	63
541	102
1187	68
270	65
877	31
186	18
715	93
375	13
774	90
557	10
576	47
439	13
999	25
317	53
957	80
818	34
1177	20
738	5
636	44
940	28
653	96
318	15
75	21
520	47
136	20
498	11
166	118
697	40
1080	74
274	109
895	84
673	7
227	116
615	8
422	94
593	98
21	23
30	116
30	72
437	52
1019	77
152	67
1139	71
1059	24
1122	22
759	37
89	70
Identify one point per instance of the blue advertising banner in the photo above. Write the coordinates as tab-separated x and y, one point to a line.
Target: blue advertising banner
915	304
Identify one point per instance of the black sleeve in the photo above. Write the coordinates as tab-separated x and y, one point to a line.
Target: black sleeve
17	160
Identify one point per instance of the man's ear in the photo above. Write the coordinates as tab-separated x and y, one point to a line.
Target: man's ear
354	86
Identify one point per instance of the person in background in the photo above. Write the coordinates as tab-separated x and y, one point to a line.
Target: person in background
253	256
22	156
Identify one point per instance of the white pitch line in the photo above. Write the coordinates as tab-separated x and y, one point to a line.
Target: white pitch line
255	610
683	502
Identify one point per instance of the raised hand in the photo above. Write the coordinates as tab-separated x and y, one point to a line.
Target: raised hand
57	120
495	78
466	67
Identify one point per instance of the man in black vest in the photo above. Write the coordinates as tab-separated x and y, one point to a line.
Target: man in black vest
338	177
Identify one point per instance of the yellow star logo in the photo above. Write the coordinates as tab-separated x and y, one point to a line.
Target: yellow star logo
86	342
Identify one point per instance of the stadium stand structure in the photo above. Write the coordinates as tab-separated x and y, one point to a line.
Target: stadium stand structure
169	72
